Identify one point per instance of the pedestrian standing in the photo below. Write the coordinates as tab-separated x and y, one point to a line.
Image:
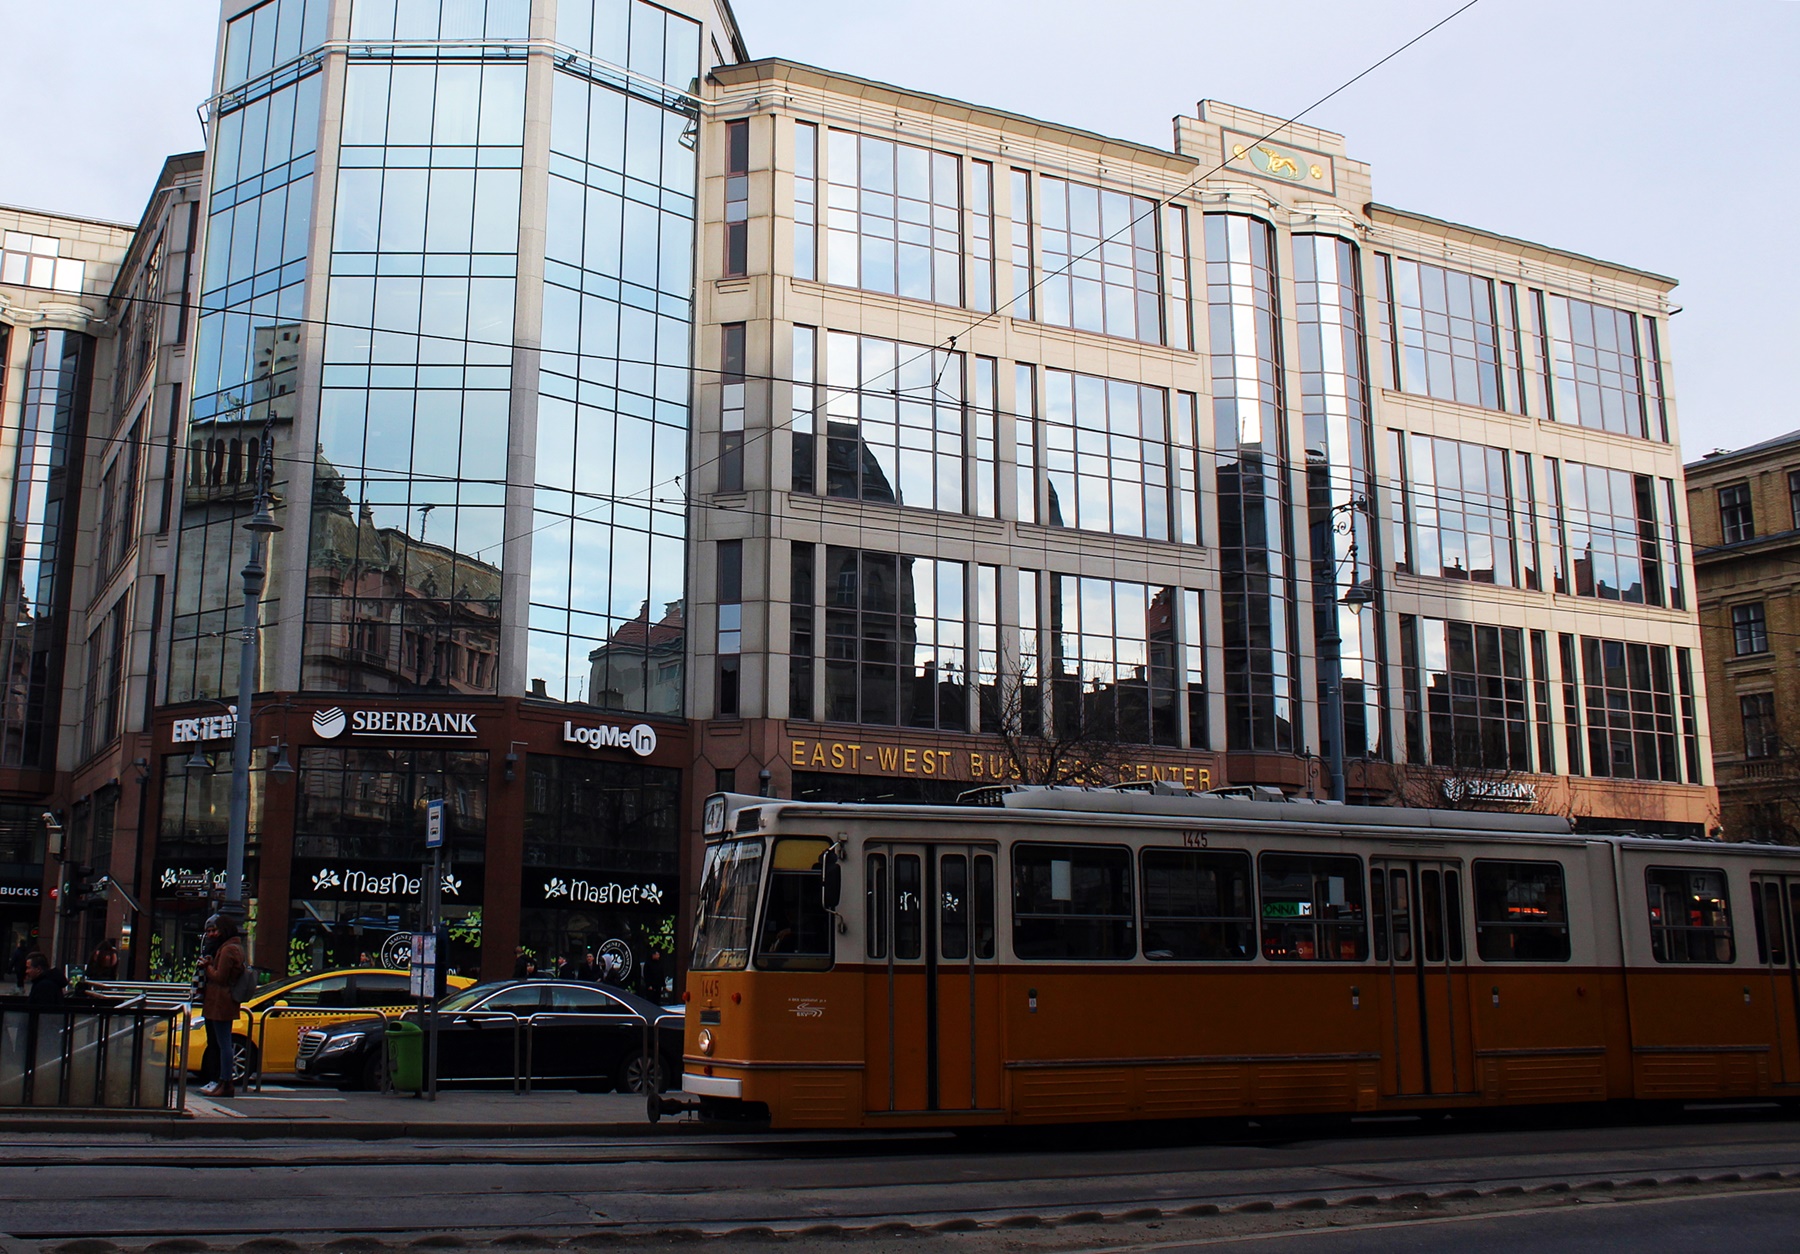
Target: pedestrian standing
16	964
104	965
43	986
220	973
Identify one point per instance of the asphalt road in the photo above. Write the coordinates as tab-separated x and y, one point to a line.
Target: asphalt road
1386	1187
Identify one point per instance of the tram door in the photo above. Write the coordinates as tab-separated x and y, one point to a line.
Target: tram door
1776	902
933	995
1417	908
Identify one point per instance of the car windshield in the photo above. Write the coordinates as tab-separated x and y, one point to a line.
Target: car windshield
281	986
727	906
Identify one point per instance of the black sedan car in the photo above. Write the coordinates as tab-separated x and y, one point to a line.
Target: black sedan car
565	1033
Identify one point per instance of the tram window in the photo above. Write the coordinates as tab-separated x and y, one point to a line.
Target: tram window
909	905
1400	916
984	905
1312	908
796	927
1453	924
953	906
875	905
1521	912
1378	912
1072	901
727	905
1777	931
1431	915
1690	915
1198	905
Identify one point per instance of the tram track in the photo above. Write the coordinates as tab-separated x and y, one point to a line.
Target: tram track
930	1187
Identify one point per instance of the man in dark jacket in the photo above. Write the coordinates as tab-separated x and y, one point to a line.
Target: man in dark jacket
43	986
219	970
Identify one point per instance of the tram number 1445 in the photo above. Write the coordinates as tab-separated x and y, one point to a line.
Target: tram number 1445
1193	840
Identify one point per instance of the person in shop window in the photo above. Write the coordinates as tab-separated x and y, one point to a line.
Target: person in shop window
104	965
17	964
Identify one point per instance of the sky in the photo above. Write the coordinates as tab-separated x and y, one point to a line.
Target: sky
1658	134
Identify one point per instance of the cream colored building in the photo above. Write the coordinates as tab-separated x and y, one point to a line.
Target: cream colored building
1003	423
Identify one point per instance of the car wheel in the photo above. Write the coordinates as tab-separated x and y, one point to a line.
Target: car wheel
369	1075
243	1061
638	1074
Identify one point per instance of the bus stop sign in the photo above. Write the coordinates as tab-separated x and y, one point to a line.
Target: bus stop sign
434	824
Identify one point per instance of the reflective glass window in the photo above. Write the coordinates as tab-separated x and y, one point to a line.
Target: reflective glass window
1107	455
1247	411
1466	698
1099	261
894	218
1611	535
1460	500
894	423
896	640
1595	373
1630	701
1109	657
1448	335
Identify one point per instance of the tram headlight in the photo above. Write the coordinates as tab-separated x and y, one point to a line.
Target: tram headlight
706	1041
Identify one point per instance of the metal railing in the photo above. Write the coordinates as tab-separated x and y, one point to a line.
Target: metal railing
524	1045
331	1013
124	1056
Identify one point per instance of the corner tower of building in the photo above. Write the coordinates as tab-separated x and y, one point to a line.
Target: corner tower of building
448	279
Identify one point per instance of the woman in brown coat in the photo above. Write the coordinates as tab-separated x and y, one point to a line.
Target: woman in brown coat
218	972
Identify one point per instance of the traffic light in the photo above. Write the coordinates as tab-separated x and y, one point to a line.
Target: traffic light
82	892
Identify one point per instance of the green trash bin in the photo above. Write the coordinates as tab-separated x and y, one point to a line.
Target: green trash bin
406	1056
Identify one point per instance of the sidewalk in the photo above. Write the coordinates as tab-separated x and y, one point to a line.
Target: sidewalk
291	1110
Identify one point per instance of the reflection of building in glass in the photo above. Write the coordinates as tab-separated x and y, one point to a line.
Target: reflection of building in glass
40	552
411	614
641	666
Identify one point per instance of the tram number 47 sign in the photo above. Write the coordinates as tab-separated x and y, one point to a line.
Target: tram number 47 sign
434	825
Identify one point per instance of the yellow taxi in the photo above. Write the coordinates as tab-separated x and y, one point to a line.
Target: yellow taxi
268	1027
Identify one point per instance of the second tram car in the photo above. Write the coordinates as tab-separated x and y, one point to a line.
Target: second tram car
1077	955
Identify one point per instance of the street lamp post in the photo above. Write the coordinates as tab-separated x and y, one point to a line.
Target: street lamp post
260	524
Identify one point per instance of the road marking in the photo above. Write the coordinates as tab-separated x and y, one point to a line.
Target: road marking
1432	1222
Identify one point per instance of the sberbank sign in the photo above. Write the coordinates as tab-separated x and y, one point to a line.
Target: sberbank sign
431	724
640	739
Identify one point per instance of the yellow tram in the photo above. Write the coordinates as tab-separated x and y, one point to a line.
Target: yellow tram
1074	955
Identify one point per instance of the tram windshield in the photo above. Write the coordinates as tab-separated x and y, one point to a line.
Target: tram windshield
727	906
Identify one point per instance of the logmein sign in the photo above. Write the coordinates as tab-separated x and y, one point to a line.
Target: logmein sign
641	739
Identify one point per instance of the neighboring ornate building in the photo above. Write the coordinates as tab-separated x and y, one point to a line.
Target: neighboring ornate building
1745	504
94	333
